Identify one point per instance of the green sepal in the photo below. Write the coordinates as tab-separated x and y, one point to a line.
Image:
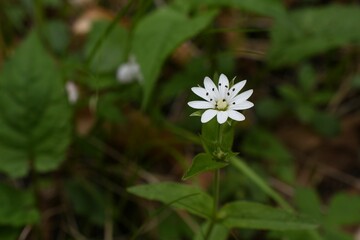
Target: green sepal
197	113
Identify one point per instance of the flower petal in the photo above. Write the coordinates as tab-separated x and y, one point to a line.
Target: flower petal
200	104
241	106
211	88
208	115
223	85
222	116
236	115
201	92
234	90
242	97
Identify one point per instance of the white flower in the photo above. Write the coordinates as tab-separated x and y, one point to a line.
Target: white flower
222	101
72	91
129	71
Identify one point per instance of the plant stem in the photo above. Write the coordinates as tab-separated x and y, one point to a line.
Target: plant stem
216	204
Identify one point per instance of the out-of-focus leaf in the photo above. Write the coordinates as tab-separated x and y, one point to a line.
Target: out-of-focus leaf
177	195
304	112
108	109
307	32
336	234
168	231
17	207
219	232
355	82
326	124
344	209
307	78
273	8
251	215
192	74
308	203
112	50
9	233
321	97
34	116
271	149
290	93
201	163
157	35
269	109
58	35
87	200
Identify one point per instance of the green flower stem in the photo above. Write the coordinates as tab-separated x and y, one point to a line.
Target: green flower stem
216	204
216	192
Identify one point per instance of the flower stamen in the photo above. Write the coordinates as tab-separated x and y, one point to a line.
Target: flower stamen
221	105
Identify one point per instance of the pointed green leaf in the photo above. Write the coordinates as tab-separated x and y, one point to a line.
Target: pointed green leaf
258	216
344	209
201	163
157	35
112	50
308	202
34	116
18	207
177	195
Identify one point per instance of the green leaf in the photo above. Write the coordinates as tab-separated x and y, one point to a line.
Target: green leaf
219	232
112	51
272	150
273	8
157	35
87	200
355	81
326	124
290	93
201	163
306	32
251	215
307	78
57	35
269	109
9	233
166	229
240	165
18	207
34	116
308	203
344	209
177	195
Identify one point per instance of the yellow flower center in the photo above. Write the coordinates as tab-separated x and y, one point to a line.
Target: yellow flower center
221	105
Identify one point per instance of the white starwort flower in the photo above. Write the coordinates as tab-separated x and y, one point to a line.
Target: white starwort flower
129	71
222	101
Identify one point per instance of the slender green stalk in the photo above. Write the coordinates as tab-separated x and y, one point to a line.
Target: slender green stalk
216	204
